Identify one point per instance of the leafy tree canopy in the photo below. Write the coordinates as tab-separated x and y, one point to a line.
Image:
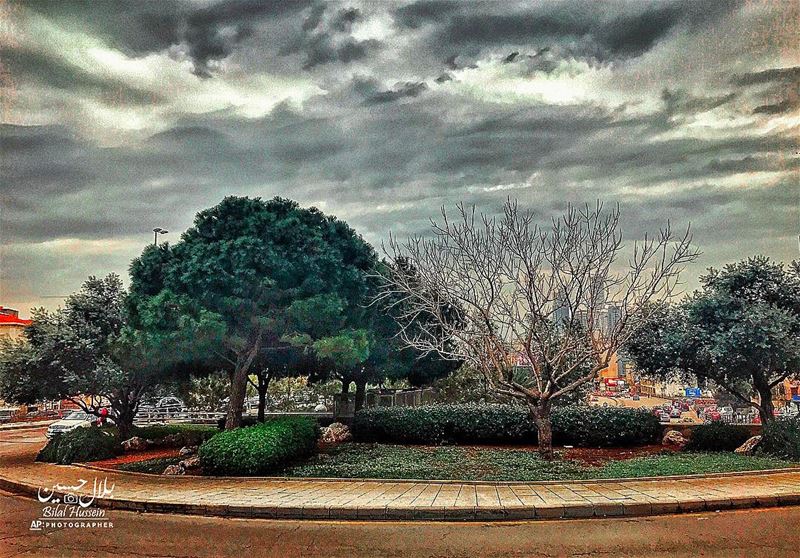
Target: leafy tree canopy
271	273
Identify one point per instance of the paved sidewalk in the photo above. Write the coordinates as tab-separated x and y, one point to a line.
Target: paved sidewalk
358	499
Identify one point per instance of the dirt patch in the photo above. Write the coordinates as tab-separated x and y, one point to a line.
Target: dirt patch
586	456
600	456
132	457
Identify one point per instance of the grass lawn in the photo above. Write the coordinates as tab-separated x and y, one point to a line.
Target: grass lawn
452	462
154	466
157	431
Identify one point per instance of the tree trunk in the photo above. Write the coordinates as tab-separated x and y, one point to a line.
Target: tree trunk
124	407
766	409
540	412
236	398
124	420
263	386
124	427
361	390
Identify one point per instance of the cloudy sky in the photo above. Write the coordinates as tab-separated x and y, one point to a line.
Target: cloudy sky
122	116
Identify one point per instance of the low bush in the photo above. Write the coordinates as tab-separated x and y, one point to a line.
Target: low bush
251	421
259	449
179	434
482	424
604	426
781	438
79	446
717	436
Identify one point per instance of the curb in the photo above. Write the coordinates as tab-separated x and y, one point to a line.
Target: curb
430	513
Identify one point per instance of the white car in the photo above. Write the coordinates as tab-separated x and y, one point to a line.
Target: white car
76	419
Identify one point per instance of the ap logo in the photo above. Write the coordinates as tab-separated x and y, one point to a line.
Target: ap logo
36	525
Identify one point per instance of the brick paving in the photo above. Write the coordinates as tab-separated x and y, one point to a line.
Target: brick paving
365	499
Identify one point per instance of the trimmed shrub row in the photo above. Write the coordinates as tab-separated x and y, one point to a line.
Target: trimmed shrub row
178	435
259	449
475	423
80	445
717	436
781	438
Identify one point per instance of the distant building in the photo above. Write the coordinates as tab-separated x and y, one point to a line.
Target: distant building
11	325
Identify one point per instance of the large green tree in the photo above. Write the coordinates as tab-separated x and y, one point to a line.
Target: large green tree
256	267
741	331
86	352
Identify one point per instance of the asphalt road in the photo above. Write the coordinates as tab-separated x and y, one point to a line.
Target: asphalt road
748	533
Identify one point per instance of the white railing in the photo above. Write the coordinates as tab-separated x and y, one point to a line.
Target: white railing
209	417
152	417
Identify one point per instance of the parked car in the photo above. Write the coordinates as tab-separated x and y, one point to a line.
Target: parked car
675	412
713	415
76	419
663	416
791	411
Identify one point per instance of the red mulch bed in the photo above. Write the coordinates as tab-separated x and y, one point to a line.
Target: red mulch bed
588	456
157	453
599	456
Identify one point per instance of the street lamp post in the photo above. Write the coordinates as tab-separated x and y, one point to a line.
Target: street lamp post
157	231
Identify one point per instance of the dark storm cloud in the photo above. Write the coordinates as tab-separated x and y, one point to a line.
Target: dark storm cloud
426	11
354	162
373	95
209	33
213	32
325	37
787	75
786	105
605	29
679	102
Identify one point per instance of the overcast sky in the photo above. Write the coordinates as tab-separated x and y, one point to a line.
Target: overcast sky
122	116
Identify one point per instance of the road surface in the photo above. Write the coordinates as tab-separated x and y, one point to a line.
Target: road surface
749	533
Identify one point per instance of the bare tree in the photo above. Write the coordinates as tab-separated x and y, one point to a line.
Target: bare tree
540	310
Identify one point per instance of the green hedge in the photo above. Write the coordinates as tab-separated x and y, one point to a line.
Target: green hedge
781	438
604	426
717	436
79	446
259	449
475	423
181	434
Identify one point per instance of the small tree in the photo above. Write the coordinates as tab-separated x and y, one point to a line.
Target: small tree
85	352
555	301
741	331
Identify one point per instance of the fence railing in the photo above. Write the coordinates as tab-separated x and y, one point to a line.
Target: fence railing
208	417
202	417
